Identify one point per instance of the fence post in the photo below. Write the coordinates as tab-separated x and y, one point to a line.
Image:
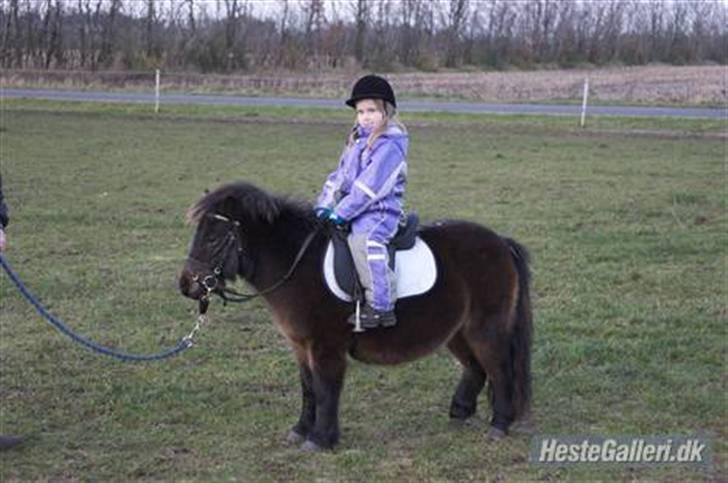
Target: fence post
156	93
583	102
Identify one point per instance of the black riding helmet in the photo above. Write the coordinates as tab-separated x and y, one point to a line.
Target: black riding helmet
371	87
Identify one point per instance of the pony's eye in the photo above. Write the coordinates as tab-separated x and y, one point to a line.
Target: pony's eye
211	236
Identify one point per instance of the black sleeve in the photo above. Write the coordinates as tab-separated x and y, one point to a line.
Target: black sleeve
4	220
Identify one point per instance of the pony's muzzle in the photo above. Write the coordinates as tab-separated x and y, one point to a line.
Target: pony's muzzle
197	281
190	286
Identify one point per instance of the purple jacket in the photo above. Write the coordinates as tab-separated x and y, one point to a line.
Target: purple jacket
369	184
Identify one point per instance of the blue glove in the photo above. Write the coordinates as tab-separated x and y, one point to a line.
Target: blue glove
336	220
322	212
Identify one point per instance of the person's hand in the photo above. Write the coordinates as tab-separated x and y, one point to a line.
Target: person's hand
336	220
2	240
322	213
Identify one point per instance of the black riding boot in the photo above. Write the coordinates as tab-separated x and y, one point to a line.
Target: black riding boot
371	318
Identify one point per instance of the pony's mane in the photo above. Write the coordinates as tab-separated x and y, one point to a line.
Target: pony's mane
253	202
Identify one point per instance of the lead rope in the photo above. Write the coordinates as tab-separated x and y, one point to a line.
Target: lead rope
183	344
201	318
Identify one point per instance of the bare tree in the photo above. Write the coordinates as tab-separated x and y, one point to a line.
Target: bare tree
284	40
500	32
313	11
384	44
82	31
228	35
150	21
236	12
362	16
474	28
456	15
7	17
52	33
107	32
656	33
701	15
11	43
231	28
191	16
679	47
564	40
407	39
29	55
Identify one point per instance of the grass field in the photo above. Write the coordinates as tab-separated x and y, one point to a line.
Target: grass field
627	232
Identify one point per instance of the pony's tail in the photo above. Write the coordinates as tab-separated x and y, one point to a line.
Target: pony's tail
520	339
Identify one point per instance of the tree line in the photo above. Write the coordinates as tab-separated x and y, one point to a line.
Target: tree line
296	35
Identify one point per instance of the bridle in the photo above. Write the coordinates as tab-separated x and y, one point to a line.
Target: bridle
233	240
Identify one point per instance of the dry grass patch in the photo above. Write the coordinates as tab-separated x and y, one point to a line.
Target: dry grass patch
658	84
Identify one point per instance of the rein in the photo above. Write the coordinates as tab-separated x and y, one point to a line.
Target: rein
210	282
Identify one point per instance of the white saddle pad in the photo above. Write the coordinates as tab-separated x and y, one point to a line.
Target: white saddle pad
415	270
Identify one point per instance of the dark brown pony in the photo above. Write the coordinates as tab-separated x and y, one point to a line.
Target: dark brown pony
479	307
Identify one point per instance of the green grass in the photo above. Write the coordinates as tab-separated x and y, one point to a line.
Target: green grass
627	232
601	125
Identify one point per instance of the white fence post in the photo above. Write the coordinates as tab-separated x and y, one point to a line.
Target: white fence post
583	102
156	93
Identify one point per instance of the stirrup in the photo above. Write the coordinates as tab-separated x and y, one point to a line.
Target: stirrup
370	318
355	318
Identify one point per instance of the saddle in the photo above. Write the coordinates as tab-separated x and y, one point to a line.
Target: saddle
409	257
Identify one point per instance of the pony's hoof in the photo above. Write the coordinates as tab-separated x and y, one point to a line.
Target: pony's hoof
294	438
311	447
495	434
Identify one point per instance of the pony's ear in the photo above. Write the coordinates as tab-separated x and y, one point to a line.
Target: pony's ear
193	215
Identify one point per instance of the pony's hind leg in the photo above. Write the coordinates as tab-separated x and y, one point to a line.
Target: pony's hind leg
465	400
491	351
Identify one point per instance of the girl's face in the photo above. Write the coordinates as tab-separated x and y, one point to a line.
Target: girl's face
369	115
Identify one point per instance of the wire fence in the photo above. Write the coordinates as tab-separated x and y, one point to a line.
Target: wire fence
688	85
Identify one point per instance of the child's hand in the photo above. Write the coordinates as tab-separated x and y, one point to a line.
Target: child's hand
336	220
322	213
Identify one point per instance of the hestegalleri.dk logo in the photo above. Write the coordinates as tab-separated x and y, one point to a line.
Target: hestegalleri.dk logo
632	450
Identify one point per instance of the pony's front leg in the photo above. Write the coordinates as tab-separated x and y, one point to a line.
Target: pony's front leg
328	368
300	431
